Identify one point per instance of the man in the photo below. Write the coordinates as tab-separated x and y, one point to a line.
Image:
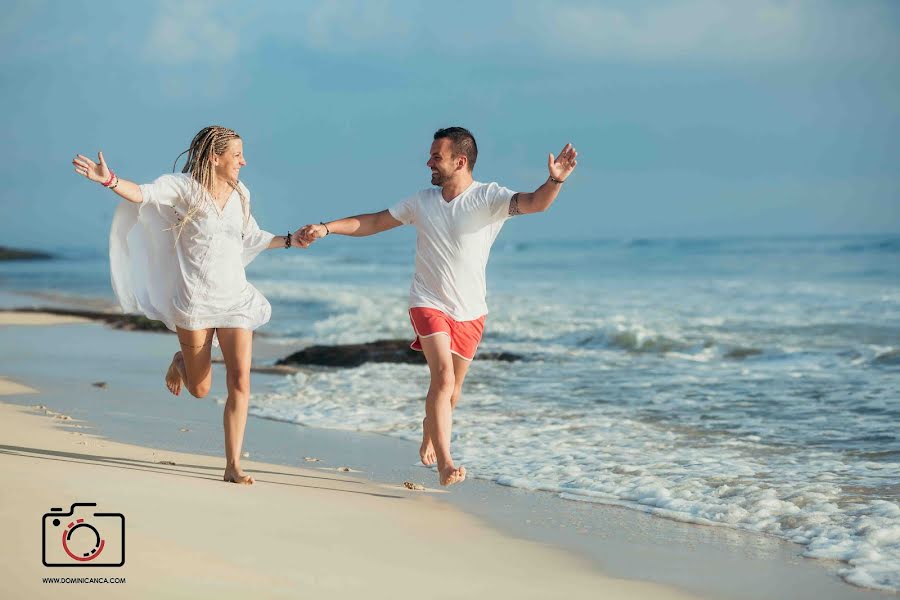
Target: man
456	226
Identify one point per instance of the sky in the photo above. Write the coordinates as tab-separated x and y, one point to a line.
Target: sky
692	118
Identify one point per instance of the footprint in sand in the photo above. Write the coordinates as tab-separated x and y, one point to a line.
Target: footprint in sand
63	417
344	469
413	486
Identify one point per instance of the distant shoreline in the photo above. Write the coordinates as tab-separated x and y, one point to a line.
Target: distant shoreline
17	254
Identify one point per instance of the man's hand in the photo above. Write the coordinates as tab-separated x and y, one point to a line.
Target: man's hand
564	164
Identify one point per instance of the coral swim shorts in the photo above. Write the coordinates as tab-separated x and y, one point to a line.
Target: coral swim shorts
464	335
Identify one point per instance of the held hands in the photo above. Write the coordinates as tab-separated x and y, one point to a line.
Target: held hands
308	234
564	164
93	171
302	238
292	241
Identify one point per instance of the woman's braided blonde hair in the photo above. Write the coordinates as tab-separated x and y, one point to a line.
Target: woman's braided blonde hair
208	142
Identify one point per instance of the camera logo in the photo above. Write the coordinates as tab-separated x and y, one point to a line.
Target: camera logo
83	538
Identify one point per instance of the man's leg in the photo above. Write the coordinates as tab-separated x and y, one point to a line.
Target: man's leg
192	365
237	350
460	368
438	411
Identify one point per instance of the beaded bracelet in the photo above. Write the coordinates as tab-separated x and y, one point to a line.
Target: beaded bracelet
113	186
112	176
555	180
287	241
327	231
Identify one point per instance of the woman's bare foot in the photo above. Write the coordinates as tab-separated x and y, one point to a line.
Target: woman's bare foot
451	475
426	450
236	475
173	375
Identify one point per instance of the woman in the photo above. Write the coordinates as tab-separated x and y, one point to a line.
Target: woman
178	249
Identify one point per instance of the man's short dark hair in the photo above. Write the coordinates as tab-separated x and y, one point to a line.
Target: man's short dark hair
463	142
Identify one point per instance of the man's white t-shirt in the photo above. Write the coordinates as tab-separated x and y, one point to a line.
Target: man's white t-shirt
452	246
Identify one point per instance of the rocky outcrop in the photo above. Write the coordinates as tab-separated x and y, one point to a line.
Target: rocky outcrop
13	254
385	351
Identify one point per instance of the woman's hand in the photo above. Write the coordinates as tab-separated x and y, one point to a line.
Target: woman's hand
93	171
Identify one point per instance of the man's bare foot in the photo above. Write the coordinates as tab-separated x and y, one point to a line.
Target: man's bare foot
426	450
236	475
173	375
451	475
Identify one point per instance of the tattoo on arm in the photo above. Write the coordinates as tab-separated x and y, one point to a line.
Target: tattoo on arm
514	205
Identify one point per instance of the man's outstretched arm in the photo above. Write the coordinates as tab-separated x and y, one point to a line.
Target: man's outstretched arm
541	199
357	226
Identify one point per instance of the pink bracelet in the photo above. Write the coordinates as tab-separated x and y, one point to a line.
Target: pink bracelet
109	181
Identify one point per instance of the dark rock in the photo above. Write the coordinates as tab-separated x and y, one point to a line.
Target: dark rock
500	356
354	355
742	353
13	254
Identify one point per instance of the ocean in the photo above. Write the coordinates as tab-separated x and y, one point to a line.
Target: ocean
751	383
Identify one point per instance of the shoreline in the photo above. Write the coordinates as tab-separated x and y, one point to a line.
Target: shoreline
614	540
347	537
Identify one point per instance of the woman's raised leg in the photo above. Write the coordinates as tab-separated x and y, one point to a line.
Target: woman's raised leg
192	365
237	350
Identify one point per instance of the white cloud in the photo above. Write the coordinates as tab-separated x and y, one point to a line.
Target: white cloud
343	26
614	30
190	32
711	30
199	31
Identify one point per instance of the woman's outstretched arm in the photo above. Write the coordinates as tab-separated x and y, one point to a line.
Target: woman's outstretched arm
102	174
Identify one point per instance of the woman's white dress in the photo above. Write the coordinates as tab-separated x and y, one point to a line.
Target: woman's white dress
196	281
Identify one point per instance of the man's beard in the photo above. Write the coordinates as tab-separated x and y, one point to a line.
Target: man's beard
437	179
